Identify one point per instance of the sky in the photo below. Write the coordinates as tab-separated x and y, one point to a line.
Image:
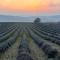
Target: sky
29	7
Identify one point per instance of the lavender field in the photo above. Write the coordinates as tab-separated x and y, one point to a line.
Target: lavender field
29	41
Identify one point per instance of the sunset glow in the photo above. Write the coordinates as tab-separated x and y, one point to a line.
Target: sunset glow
30	5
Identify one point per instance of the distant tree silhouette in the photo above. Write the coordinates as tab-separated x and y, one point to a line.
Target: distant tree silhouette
37	20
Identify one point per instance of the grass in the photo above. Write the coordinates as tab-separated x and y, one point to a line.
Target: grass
11	53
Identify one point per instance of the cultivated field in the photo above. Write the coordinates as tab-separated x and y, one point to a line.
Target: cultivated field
29	41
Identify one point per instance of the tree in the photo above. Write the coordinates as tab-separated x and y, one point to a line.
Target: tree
37	20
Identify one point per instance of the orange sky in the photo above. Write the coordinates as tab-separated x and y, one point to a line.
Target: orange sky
30	5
